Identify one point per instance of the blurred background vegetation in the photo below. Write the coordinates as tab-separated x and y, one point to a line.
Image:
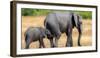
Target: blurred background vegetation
41	12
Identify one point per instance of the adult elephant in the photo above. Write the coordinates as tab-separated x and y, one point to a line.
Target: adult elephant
60	22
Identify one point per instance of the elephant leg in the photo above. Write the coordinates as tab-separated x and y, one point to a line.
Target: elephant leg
69	38
56	40
52	42
41	43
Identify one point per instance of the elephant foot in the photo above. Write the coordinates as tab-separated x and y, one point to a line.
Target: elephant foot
27	47
53	46
40	46
69	45
79	45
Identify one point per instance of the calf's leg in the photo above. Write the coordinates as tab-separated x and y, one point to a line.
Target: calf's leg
41	43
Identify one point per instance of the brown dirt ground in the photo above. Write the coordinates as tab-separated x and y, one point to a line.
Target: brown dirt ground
38	21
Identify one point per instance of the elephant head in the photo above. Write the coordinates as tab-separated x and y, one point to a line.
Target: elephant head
48	33
77	22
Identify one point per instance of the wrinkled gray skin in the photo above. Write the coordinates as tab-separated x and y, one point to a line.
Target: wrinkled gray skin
35	34
58	23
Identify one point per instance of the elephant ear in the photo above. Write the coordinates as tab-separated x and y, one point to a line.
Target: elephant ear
80	19
75	20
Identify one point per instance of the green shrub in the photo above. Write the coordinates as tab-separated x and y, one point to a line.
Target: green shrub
27	12
85	14
34	12
37	12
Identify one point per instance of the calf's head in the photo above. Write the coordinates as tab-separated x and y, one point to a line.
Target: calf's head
48	33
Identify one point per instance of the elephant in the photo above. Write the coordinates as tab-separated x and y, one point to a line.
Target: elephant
35	34
63	22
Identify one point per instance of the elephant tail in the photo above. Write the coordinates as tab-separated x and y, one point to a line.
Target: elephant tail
27	41
45	23
25	38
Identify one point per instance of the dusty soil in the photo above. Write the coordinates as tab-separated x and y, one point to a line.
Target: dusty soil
38	21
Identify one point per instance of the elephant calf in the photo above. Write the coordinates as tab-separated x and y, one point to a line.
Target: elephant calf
35	34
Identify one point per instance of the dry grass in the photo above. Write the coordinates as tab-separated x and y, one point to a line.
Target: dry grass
86	39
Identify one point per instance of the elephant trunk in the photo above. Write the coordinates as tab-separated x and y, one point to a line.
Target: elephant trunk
79	37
